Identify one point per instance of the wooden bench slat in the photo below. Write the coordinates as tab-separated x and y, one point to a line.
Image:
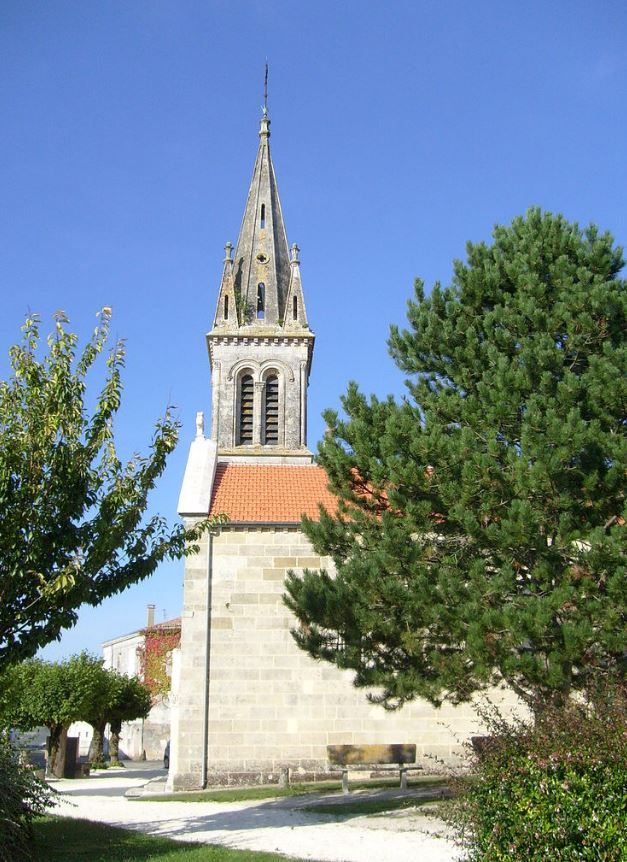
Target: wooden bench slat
345	755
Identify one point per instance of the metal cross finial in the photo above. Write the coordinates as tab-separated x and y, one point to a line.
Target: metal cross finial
265	92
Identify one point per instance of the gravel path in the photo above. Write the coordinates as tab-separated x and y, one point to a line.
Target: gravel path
276	825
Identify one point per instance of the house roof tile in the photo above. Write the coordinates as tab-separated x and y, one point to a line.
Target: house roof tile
251	493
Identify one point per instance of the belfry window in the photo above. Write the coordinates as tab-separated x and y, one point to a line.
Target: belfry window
262	220
261	300
271	411
295	308
246	398
226	308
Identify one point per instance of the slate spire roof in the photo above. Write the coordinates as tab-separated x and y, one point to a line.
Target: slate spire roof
262	281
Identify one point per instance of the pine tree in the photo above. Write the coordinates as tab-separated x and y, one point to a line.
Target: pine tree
479	534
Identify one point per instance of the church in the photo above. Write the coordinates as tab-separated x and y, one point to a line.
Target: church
247	704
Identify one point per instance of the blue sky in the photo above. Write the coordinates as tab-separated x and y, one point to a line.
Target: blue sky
400	130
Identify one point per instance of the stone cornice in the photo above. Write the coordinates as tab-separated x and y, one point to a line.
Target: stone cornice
277	338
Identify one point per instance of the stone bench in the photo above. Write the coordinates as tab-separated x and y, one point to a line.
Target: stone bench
361	757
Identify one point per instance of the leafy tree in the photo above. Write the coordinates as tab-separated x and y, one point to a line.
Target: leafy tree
123	699
95	712
132	700
73	529
36	693
479	532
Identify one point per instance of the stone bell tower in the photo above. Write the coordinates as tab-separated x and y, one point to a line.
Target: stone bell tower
260	345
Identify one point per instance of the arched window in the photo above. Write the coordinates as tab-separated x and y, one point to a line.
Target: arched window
246	398
262	220
226	308
271	411
295	308
261	300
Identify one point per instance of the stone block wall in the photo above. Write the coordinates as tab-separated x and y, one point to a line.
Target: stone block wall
270	705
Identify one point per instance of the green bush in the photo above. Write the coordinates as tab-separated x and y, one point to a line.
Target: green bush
22	797
555	789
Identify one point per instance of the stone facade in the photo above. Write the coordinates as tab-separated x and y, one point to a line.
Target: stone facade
270	706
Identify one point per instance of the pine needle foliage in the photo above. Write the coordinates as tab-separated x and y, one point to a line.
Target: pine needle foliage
479	536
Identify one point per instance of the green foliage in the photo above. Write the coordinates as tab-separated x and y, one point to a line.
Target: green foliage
53	694
37	693
116	698
555	790
479	534
22	797
73	528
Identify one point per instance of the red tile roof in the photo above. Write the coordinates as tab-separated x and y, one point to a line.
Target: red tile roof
254	493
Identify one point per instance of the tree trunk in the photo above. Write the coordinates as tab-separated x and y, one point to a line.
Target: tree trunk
56	750
96	746
114	740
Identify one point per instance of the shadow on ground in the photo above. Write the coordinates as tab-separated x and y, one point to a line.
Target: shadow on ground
287	812
93	786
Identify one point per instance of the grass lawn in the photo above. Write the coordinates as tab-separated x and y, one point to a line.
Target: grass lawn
58	839
241	794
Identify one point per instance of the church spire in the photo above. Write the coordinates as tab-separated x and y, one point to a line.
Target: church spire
261	280
260	345
261	266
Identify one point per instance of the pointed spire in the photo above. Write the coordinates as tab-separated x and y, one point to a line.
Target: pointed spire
295	313
226	315
261	286
261	267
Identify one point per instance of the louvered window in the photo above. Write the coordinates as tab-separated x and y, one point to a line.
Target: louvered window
295	308
246	411
271	432
226	308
